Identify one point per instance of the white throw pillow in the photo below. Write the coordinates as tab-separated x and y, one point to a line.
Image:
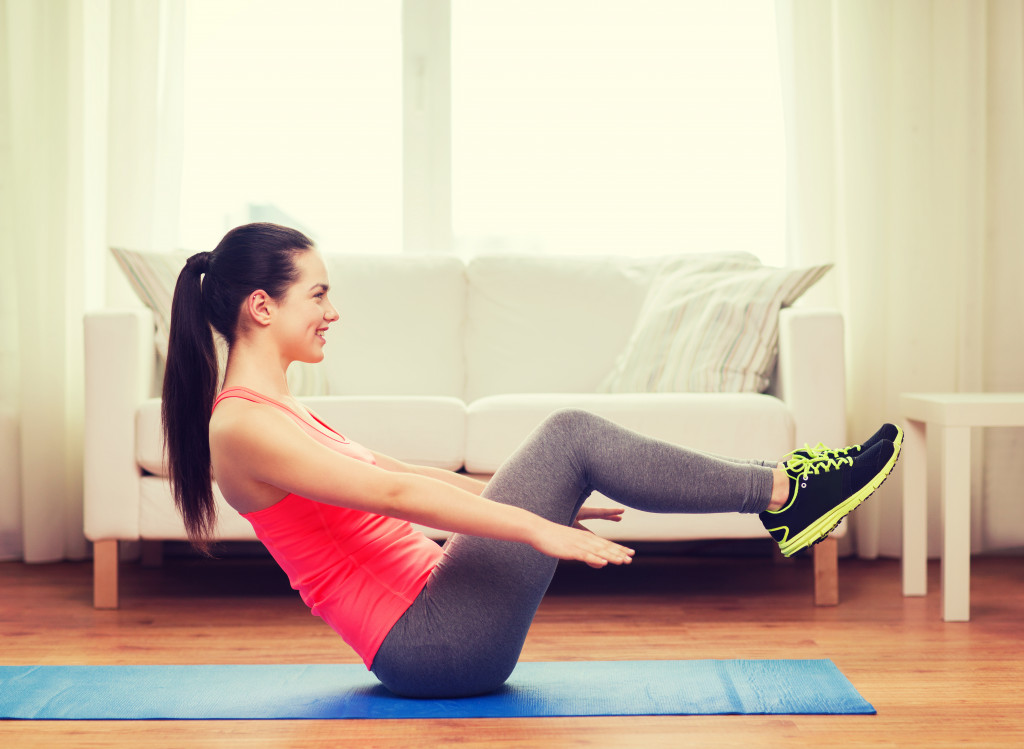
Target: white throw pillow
709	329
152	276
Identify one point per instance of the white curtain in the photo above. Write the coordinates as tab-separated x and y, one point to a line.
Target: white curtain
905	140
90	112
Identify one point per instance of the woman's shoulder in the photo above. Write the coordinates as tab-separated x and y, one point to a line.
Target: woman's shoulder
242	423
244	438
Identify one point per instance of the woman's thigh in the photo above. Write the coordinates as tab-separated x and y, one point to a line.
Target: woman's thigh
465	631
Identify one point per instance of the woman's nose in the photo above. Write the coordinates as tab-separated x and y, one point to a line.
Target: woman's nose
332	314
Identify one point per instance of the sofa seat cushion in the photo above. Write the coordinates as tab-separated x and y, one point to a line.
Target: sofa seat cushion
743	425
425	430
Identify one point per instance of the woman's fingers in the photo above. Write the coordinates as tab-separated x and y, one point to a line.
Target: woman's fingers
602	560
612	552
600	513
611	514
571	543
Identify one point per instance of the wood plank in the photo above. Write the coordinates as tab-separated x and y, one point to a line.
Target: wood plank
933	683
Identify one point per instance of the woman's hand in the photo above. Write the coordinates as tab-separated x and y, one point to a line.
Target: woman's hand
597	513
563	542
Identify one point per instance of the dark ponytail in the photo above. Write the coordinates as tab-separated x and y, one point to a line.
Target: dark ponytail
210	291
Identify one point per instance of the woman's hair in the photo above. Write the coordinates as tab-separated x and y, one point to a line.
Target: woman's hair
210	291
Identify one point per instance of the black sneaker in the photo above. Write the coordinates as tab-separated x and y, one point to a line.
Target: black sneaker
824	490
889	432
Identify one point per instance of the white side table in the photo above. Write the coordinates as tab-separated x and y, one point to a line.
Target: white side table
954	414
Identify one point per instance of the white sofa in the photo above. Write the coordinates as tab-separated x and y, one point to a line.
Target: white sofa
451	363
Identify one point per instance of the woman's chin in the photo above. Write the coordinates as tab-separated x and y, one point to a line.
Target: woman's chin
312	357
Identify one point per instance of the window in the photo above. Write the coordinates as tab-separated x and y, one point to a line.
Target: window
633	127
293	115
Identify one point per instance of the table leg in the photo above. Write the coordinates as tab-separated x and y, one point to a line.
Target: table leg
956	524
915	509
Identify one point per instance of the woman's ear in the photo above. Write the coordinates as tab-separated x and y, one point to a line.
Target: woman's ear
259	306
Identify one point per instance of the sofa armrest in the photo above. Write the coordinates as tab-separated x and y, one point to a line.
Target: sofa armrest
119	368
811	376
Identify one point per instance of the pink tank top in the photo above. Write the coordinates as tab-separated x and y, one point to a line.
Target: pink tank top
357	571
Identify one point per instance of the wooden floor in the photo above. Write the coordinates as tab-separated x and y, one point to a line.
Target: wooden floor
933	684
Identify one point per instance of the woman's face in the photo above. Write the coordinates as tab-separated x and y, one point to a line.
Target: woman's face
304	313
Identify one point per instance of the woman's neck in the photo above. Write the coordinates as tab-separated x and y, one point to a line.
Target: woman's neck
257	368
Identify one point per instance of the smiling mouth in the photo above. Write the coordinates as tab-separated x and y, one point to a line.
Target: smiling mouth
320	333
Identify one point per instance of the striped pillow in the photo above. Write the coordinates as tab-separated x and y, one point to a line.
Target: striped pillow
152	276
711	329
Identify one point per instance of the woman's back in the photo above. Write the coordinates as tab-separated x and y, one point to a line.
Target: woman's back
243	410
357	570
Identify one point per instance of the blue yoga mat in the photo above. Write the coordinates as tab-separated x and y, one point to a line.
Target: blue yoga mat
704	687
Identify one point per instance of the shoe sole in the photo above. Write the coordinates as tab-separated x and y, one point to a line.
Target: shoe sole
898	442
818	530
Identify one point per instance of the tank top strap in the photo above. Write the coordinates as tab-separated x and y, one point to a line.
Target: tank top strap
334	439
249	395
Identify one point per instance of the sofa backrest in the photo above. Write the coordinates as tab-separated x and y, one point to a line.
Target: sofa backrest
401	325
549	324
438	325
495	324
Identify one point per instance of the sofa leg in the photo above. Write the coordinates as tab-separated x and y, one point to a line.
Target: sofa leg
826	573
104	574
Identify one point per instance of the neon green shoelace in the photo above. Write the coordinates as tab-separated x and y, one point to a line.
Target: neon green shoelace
818	459
800	466
821	450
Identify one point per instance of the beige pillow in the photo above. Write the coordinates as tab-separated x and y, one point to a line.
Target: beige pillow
709	329
153	275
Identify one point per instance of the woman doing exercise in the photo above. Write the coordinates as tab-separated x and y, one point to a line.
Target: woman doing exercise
428	621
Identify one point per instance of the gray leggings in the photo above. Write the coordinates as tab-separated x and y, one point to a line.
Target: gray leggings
463	634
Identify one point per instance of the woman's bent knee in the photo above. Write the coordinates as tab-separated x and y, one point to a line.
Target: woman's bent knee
568	420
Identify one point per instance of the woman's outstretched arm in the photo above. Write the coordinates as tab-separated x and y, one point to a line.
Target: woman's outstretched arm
460	480
259	447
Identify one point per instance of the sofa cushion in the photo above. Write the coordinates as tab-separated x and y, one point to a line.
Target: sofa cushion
742	425
401	325
416	429
712	328
539	324
554	324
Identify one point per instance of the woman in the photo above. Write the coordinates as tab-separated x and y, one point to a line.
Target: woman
428	621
